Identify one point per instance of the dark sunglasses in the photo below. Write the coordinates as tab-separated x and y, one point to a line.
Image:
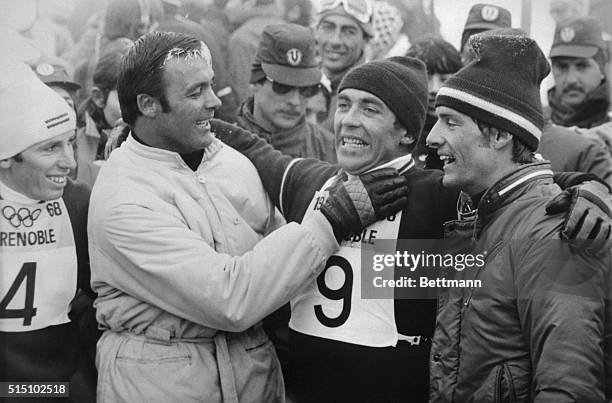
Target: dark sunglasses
282	89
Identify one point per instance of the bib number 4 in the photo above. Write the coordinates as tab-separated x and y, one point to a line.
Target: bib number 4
26	275
342	293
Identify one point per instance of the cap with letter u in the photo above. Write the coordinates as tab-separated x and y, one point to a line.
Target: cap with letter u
287	54
577	37
31	112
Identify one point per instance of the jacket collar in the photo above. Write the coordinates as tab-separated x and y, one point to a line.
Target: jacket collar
593	111
168	158
503	192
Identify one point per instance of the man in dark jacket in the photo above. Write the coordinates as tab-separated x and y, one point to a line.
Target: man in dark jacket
533	323
284	75
43	237
336	333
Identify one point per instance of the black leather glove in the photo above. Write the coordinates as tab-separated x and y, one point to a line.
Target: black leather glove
357	203
588	223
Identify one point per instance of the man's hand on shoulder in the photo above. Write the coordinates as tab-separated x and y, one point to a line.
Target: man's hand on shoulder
359	202
588	223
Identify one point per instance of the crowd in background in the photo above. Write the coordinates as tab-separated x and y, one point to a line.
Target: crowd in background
283	71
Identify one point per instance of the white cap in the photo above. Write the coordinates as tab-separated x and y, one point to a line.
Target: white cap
31	112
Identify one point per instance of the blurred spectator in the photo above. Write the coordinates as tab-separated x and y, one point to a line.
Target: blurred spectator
343	28
562	10
317	106
442	60
579	55
419	18
388	39
482	17
56	77
285	74
243	43
33	20
124	22
98	115
581	96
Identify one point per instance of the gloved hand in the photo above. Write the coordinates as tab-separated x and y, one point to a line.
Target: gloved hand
588	223
357	203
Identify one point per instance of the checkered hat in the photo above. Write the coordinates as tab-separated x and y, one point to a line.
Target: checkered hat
387	22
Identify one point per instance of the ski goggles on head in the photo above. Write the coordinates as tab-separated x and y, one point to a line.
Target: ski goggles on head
282	89
361	10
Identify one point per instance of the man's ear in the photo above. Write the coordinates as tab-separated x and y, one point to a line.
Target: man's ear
98	98
407	139
6	164
148	105
501	140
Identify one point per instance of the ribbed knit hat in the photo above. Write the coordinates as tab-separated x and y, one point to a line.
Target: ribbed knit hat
501	86
400	82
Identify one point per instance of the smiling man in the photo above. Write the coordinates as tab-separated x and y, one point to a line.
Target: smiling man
43	239
336	334
177	224
343	28
539	327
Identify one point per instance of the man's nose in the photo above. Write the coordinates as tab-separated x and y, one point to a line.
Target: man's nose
434	139
67	160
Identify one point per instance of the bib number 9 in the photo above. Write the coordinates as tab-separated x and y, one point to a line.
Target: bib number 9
27	274
343	293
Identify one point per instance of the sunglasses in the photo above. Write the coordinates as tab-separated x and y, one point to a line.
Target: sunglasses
282	89
361	10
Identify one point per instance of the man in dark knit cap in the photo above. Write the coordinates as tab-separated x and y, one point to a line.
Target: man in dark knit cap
536	326
336	332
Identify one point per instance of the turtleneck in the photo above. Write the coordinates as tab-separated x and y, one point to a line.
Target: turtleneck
14	196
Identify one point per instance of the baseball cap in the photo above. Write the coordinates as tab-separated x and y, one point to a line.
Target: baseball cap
359	10
51	74
286	54
577	37
488	16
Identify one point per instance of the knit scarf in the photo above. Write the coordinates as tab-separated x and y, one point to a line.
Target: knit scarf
593	111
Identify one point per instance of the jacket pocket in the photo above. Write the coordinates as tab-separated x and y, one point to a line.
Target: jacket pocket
504	385
146	352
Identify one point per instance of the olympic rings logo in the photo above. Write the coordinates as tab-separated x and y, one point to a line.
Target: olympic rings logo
20	217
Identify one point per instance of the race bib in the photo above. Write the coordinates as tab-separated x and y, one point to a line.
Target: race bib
332	307
38	265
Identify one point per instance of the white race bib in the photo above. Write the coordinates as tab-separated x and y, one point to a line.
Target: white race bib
38	265
332	307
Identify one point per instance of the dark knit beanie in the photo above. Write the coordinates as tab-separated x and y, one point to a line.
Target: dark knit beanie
400	82
501	86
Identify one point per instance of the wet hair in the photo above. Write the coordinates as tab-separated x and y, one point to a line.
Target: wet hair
439	56
520	153
142	69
